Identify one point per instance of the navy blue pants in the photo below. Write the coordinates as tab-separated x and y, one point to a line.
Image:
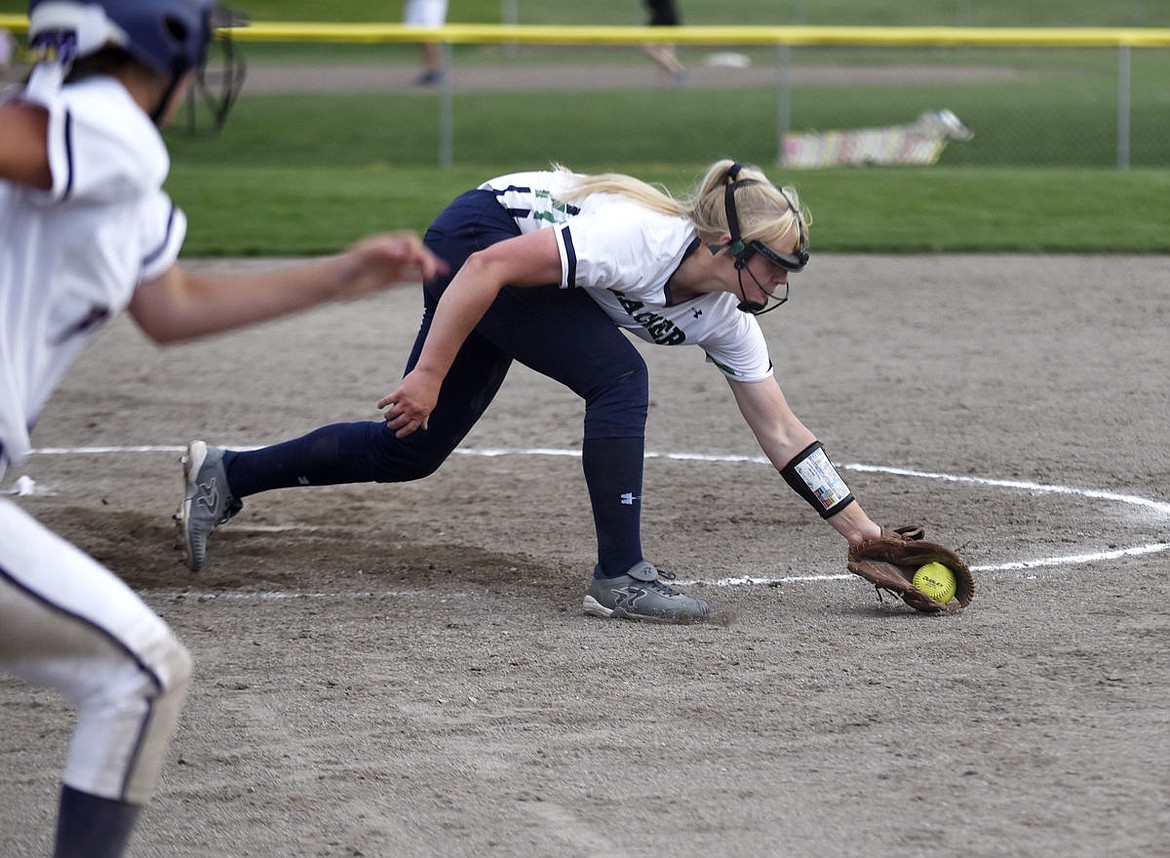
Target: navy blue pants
560	333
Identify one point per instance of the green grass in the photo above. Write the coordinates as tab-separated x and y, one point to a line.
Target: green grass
306	174
285	210
1059	118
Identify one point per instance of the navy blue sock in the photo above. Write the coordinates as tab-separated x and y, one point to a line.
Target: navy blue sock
613	472
89	826
332	455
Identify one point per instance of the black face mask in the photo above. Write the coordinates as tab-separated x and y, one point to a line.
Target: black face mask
220	76
744	251
750	306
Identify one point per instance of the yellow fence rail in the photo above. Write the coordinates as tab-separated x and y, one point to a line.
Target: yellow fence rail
468	34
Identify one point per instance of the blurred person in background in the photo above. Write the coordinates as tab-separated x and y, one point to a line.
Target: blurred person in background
429	14
664	14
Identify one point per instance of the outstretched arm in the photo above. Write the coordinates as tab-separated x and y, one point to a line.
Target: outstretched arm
181	305
527	260
783	437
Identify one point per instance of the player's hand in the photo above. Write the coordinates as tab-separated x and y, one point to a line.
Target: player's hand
409	406
379	261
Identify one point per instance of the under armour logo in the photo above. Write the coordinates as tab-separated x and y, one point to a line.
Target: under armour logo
696	312
628	498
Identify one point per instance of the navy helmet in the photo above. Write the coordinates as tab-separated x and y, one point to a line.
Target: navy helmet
170	36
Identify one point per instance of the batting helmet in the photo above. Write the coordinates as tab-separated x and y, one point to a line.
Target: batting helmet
170	36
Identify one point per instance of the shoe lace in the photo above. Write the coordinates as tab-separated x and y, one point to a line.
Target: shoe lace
665	589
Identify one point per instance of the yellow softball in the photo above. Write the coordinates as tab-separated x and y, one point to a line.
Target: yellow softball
936	581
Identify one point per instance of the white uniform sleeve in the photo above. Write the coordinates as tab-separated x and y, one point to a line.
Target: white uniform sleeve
102	149
618	246
166	229
738	348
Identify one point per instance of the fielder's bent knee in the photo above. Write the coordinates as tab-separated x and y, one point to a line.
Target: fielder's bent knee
390	459
618	408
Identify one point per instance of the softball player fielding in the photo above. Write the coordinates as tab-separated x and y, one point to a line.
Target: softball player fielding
548	267
85	232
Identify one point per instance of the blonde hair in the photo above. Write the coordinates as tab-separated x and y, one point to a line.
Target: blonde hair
765	213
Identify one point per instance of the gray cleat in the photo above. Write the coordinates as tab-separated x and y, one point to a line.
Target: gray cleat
207	501
641	595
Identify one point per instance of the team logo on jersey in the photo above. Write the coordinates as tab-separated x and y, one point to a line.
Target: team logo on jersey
557	212
661	330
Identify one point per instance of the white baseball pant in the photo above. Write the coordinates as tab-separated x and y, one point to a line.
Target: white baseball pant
68	623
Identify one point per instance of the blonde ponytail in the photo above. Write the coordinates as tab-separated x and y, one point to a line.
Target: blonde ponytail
762	209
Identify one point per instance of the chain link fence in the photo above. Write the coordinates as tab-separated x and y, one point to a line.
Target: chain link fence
1025	97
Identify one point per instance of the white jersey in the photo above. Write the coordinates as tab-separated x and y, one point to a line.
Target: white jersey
425	13
624	255
73	255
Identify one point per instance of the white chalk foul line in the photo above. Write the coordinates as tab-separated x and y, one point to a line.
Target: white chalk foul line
1014	566
1160	507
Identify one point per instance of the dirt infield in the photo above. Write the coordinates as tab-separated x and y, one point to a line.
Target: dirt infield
405	670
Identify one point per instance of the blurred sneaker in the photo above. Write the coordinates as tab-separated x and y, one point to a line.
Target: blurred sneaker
207	501
641	595
429	78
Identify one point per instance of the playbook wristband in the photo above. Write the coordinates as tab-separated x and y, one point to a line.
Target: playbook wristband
812	476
